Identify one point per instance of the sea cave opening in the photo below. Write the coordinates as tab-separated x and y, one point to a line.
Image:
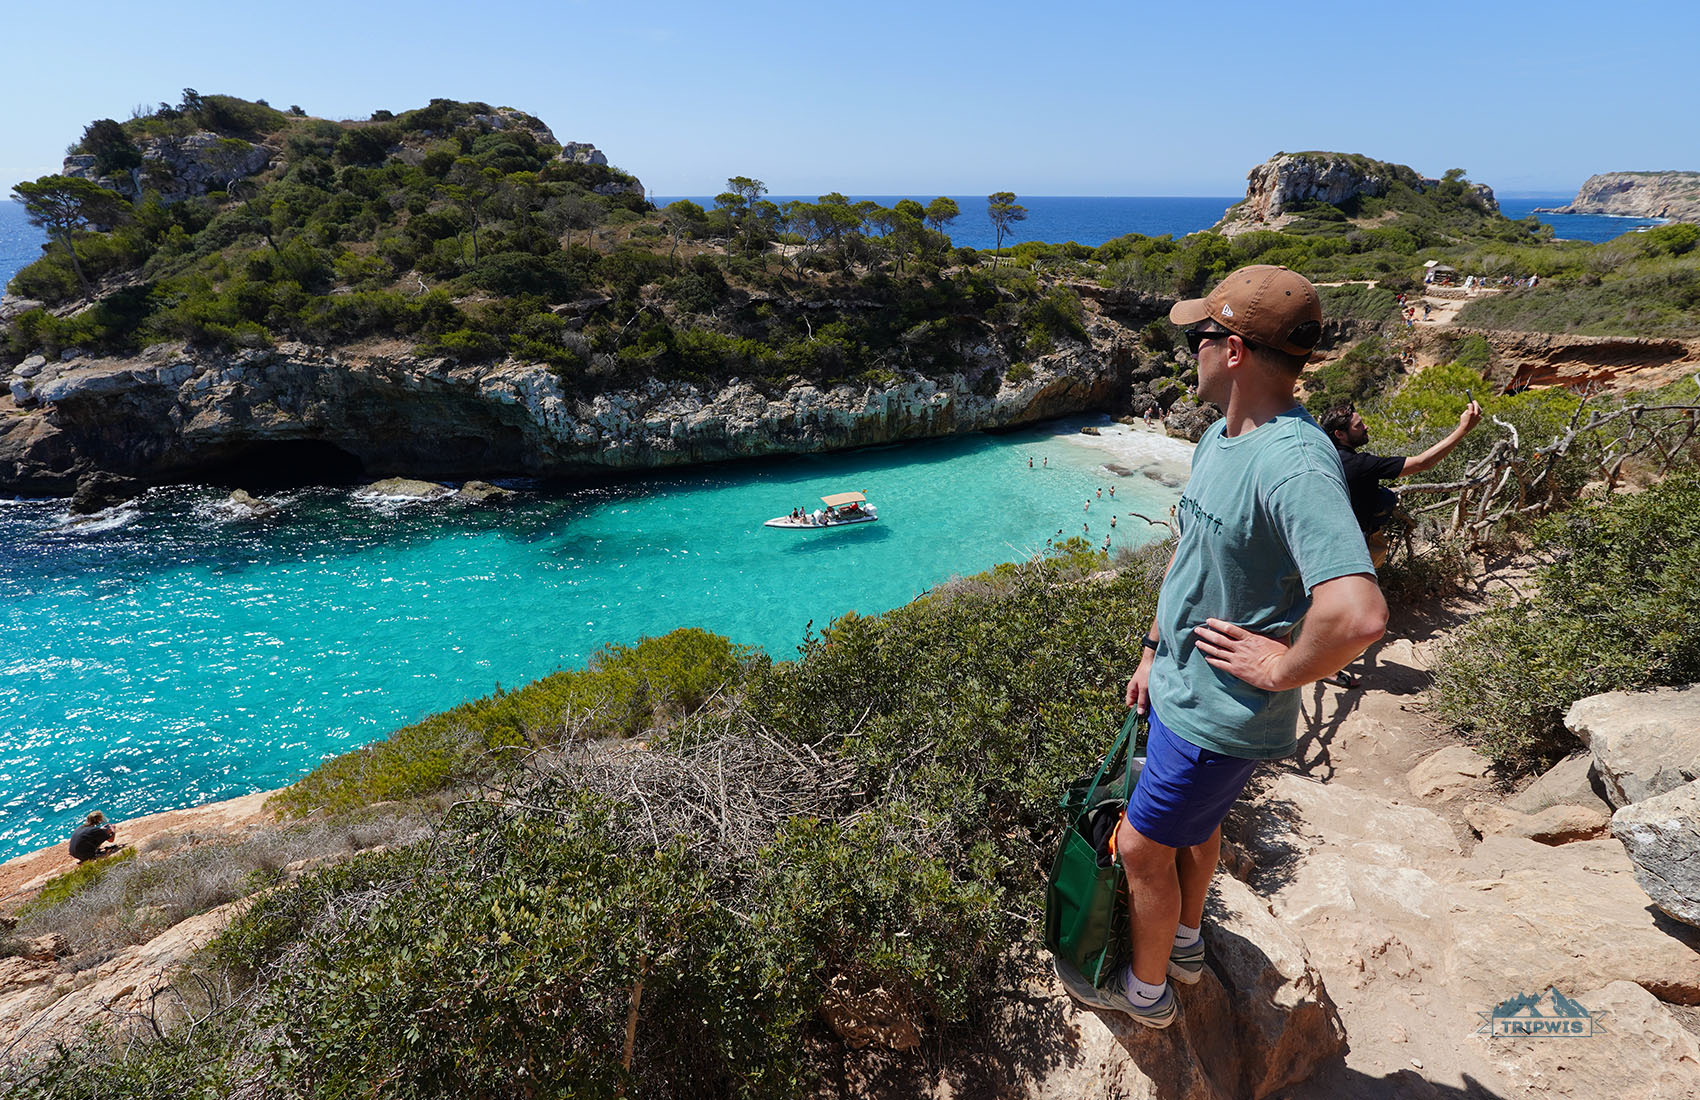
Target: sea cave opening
284	464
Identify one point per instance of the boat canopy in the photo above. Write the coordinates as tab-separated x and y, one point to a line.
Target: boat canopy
839	499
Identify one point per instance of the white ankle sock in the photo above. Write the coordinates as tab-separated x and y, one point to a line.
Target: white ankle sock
1142	994
1186	937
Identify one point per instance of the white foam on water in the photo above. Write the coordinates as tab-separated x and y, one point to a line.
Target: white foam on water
110	519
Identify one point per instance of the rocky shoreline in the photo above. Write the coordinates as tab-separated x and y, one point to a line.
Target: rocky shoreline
173	414
1674	196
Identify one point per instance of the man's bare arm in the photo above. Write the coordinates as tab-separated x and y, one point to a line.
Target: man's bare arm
1430	458
1138	691
1347	615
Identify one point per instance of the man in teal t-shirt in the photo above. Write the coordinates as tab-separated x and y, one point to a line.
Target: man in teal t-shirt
1270	588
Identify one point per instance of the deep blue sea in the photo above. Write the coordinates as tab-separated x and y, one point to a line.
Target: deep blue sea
166	655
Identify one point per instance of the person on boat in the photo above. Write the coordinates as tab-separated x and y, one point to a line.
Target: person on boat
93	838
1269	588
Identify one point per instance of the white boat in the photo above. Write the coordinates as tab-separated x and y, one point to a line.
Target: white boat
841	509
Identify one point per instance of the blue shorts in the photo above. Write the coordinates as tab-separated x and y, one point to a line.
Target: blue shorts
1184	791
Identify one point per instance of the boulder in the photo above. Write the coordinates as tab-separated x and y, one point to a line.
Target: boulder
46	948
1448	772
242	505
403	489
1188	420
1637	1050
482	492
1570	782
1662	837
1553	825
99	491
1643	743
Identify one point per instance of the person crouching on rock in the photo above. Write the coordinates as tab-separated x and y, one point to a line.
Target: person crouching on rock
93	839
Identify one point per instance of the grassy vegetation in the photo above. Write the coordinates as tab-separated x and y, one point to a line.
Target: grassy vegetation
621	691
1641	284
1611	611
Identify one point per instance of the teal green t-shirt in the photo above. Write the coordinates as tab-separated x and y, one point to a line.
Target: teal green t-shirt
1265	518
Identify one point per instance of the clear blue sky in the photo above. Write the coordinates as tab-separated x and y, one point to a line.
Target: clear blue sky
1082	98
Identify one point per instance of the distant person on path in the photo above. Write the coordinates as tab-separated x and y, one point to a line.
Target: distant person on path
1373	504
1270	588
87	841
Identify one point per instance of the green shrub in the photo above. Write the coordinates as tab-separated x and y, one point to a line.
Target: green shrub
621	691
1613	611
1366	368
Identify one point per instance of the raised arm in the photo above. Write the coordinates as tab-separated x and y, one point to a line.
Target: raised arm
1430	458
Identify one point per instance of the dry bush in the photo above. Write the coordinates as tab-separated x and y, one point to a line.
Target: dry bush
188	873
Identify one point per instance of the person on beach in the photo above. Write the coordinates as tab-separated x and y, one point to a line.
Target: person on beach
1270	588
1373	504
93	838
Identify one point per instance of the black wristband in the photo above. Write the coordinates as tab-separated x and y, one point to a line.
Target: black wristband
1148	643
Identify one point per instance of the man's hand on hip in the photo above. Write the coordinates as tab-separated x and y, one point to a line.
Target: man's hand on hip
1235	650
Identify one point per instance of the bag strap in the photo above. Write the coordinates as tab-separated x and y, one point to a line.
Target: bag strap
1119	755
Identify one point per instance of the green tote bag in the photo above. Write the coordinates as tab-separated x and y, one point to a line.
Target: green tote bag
1085	904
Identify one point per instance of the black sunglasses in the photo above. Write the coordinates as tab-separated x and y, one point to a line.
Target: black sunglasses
1196	336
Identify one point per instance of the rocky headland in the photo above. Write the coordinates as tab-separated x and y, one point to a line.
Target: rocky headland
1291	180
1672	195
177	167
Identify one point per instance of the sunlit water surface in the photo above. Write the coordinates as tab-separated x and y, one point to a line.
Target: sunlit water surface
166	654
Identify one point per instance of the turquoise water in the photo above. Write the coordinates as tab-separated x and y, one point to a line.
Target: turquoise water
168	655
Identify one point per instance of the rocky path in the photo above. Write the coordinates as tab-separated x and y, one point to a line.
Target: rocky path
1390	876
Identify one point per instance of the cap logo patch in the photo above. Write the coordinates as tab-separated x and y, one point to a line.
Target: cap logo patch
1227	310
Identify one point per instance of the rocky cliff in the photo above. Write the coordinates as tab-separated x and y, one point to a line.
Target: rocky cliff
1289	179
1674	195
183	166
300	413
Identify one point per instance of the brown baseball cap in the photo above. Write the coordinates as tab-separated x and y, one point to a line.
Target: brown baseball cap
1273	306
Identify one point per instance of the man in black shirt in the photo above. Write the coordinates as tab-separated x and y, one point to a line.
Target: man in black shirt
86	842
1372	502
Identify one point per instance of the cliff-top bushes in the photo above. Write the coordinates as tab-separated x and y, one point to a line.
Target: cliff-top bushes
1612	610
621	691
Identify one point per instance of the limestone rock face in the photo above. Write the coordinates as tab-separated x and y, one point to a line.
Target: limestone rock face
1287	179
1662	836
179	168
170	414
582	152
48	1004
1641	1051
1674	195
1644	743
